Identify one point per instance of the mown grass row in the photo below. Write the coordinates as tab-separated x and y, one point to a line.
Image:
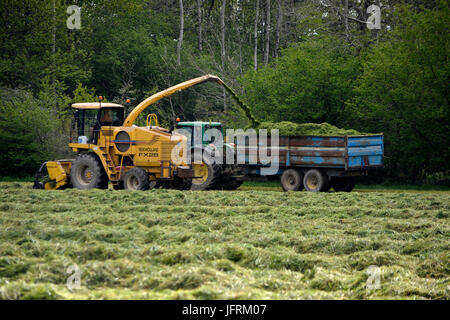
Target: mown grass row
166	244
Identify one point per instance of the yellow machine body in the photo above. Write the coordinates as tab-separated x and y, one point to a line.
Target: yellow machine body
122	146
150	148
58	172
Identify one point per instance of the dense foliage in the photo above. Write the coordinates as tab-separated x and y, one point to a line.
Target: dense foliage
304	61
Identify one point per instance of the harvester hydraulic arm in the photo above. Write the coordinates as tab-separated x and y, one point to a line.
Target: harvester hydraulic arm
181	86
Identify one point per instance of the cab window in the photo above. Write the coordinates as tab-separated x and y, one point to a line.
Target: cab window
111	117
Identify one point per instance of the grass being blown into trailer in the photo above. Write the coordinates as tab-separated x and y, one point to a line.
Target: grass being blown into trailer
253	244
287	128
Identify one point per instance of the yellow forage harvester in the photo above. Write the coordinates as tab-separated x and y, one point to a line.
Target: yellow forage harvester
110	148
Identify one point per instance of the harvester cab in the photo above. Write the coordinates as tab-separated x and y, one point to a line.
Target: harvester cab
91	117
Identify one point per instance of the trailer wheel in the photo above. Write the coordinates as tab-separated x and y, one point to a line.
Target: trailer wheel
87	172
291	180
315	181
136	179
344	184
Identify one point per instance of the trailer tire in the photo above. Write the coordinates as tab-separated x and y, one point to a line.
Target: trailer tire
291	180
315	181
87	172
136	179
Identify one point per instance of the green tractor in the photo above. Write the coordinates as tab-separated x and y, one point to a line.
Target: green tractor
210	175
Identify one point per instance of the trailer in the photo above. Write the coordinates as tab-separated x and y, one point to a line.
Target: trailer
315	163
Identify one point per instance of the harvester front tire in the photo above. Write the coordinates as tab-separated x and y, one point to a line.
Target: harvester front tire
87	172
136	179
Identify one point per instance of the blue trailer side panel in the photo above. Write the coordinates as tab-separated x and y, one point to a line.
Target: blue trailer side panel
365	151
334	152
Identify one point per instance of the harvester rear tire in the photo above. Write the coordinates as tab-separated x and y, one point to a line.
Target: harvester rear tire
87	172
136	179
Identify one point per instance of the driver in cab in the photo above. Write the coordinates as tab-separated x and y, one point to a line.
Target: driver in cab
106	117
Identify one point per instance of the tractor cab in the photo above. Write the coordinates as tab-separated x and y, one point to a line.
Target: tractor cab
92	116
197	129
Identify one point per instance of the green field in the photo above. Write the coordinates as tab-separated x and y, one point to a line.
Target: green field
247	244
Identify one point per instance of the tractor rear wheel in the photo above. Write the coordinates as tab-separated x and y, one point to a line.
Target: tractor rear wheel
136	179
87	172
207	173
315	181
291	180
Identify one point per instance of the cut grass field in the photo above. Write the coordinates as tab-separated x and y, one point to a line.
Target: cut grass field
246	244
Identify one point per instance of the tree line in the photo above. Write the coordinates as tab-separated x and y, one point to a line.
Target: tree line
290	60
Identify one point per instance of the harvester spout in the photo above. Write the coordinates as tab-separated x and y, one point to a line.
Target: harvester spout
165	93
181	86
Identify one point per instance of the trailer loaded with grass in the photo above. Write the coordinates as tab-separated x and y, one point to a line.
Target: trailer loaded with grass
315	157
